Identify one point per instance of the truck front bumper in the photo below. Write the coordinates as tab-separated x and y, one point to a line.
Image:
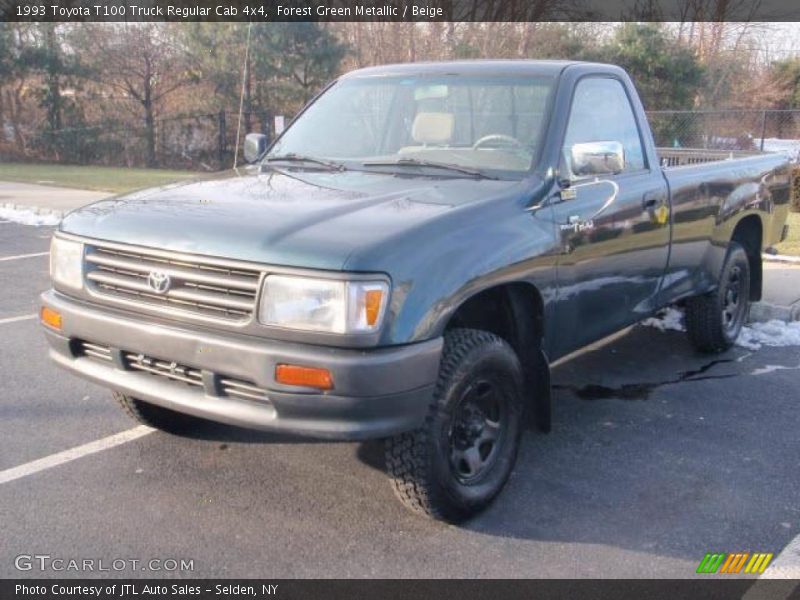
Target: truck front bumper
229	378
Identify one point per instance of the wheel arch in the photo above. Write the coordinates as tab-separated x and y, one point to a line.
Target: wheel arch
515	312
749	233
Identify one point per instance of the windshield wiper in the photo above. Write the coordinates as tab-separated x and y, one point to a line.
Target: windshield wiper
300	158
415	162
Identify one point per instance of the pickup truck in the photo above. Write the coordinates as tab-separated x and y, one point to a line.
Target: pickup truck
406	261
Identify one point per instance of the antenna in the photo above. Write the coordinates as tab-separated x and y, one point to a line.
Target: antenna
241	97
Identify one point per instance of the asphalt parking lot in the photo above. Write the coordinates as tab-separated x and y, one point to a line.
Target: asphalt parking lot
657	456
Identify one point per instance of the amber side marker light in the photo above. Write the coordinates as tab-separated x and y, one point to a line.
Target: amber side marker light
372	306
304	376
50	317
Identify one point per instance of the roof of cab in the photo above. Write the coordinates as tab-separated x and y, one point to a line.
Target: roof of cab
469	67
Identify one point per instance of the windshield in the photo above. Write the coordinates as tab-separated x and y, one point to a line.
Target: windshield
481	123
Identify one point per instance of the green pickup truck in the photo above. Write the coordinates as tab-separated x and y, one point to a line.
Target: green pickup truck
405	262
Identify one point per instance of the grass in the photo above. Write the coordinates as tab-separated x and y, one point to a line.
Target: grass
791	246
101	179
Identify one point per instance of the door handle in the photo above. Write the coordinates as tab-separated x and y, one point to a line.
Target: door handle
651	200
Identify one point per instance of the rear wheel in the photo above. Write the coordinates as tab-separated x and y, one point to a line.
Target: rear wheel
458	461
714	320
159	417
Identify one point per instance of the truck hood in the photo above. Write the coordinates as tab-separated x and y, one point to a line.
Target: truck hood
291	218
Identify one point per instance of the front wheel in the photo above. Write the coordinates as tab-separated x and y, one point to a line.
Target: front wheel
714	320
456	463
158	417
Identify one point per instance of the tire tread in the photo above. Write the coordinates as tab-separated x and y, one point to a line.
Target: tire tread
406	453
703	313
156	416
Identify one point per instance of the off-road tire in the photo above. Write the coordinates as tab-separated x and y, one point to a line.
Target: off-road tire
158	417
707	324
420	462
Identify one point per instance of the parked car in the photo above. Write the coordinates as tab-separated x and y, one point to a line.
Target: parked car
406	260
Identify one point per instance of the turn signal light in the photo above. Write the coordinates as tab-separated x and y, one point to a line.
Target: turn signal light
304	376
51	317
372	305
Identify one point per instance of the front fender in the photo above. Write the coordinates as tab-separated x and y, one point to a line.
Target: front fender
517	246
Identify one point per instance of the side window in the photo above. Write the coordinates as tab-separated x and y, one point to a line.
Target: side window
601	112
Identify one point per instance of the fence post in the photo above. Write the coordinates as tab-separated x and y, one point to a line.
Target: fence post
763	129
267	124
222	139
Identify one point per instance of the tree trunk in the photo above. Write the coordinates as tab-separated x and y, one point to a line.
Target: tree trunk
150	136
16	114
149	116
2	116
53	81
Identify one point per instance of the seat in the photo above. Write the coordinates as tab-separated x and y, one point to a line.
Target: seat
433	128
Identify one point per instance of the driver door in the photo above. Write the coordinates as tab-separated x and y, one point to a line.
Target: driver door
613	226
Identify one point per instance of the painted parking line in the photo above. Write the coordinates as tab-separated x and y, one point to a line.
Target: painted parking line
786	569
16	319
66	456
787	563
19	256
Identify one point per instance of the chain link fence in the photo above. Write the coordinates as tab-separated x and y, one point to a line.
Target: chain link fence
206	142
734	130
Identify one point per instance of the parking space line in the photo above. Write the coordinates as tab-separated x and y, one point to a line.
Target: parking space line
15	319
18	256
74	453
785	567
787	564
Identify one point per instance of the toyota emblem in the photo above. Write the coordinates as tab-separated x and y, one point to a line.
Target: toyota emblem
158	281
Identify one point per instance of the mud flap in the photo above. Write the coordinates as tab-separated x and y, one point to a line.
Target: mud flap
542	402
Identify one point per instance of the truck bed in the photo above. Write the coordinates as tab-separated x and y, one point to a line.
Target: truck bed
715	182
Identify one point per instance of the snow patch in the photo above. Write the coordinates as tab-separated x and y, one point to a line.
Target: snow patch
772	368
668	319
790	148
753	336
28	217
771	333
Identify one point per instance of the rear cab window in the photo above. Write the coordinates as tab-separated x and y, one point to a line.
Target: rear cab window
601	112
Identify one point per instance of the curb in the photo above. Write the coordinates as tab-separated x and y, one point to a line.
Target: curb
37	210
761	312
782	258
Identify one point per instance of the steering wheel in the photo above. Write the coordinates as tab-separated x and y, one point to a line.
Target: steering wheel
505	140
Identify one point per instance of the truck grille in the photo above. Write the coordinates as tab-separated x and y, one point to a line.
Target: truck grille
162	368
197	287
231	387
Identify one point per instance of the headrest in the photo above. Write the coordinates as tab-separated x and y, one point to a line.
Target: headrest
432	128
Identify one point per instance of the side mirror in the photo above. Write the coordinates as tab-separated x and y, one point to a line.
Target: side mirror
255	144
596	158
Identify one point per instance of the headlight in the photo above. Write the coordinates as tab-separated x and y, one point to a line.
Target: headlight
66	263
323	304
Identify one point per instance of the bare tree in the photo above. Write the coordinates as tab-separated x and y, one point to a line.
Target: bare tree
144	63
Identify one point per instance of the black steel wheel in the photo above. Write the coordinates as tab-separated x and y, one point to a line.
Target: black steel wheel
455	464
477	430
734	301
715	320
